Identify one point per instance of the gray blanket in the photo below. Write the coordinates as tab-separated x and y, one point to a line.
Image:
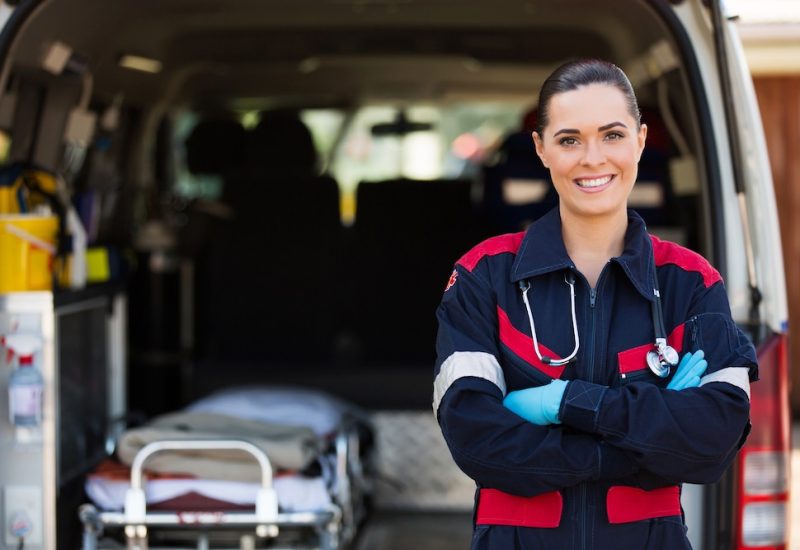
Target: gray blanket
288	447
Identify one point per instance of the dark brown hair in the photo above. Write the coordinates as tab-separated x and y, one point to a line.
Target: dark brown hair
574	74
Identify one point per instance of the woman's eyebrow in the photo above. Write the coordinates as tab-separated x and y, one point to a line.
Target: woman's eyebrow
567	131
600	129
610	125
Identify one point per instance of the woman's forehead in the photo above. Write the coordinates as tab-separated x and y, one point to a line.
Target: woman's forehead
589	107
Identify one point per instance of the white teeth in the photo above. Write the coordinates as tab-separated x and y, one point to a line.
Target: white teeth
594	182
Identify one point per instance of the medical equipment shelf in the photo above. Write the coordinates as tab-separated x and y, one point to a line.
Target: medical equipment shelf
83	366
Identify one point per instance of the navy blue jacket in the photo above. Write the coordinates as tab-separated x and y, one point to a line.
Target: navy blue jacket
609	476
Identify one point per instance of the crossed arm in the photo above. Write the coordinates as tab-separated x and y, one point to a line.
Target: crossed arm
688	432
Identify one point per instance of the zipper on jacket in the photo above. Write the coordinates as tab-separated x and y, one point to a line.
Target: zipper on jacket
589	337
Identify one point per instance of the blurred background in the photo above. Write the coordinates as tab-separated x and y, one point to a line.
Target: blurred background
770	31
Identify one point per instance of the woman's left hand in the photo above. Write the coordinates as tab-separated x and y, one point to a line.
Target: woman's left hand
537	405
689	372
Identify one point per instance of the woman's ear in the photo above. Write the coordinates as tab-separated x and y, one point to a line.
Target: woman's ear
537	141
642	138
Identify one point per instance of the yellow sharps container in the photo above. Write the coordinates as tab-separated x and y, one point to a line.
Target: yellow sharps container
27	246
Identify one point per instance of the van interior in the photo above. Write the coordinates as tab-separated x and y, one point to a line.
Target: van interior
283	187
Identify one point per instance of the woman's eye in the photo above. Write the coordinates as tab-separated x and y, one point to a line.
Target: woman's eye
567	141
613	136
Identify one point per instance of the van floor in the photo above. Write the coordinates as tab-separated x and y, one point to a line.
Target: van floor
417	530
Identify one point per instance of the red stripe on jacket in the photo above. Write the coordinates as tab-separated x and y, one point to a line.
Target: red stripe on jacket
624	504
509	242
667	252
635	359
522	346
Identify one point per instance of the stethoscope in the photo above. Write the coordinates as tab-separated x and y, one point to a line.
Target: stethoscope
660	359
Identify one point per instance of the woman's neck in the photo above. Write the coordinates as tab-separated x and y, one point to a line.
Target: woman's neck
592	241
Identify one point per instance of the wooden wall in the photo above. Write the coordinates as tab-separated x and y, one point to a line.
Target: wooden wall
779	101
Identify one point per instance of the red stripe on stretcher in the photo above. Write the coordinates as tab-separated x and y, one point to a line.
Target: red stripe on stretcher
626	504
491	247
666	252
499	508
634	359
522	346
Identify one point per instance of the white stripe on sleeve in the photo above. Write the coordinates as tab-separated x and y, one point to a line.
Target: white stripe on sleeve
738	376
467	363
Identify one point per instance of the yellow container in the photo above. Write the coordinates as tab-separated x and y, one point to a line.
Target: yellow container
27	246
9	197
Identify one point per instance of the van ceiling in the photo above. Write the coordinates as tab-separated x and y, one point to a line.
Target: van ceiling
329	48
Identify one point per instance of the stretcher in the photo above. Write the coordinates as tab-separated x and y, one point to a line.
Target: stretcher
262	517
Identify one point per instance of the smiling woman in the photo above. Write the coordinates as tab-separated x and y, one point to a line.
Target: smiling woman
566	427
591	139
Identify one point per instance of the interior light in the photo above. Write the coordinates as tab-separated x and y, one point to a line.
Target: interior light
309	65
139	63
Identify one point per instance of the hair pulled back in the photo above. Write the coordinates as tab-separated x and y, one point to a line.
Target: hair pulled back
574	74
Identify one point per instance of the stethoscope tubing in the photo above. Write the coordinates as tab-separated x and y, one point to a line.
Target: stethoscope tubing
525	285
659	360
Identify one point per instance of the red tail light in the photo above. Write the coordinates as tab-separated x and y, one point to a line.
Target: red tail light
763	466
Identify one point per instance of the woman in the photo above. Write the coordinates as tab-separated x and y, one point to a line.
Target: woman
558	387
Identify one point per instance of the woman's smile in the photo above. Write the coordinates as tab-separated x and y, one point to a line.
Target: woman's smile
594	184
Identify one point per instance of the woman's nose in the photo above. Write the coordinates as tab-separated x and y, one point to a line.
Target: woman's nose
593	154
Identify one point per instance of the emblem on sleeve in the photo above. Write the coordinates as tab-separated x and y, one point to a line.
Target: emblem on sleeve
452	280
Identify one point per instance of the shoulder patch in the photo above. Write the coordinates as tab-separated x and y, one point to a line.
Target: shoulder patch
493	246
667	252
451	281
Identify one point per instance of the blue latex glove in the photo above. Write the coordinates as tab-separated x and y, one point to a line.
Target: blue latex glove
690	370
538	405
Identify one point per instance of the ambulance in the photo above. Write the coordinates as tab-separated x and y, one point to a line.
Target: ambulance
265	199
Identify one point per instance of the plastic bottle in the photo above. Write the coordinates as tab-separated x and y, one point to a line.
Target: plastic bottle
25	385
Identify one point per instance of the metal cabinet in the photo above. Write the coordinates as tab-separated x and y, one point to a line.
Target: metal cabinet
83	364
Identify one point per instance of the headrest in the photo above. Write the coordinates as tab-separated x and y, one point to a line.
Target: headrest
658	138
214	146
530	120
281	141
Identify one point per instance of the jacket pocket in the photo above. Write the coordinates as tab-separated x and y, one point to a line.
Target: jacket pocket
632	363
722	342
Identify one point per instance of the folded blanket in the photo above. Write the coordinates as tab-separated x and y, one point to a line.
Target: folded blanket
288	447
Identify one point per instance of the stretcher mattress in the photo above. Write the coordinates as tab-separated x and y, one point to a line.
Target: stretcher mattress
293	426
106	487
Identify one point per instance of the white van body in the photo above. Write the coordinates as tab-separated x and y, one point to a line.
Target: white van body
60	81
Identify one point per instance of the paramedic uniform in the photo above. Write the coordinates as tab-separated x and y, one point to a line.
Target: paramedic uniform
609	475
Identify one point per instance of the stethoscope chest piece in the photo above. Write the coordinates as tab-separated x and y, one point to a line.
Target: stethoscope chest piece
662	360
658	367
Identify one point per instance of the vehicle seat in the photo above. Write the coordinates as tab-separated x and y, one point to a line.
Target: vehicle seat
408	235
274	275
516	185
652	196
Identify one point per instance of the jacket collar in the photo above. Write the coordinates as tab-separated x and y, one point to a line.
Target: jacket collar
543	251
